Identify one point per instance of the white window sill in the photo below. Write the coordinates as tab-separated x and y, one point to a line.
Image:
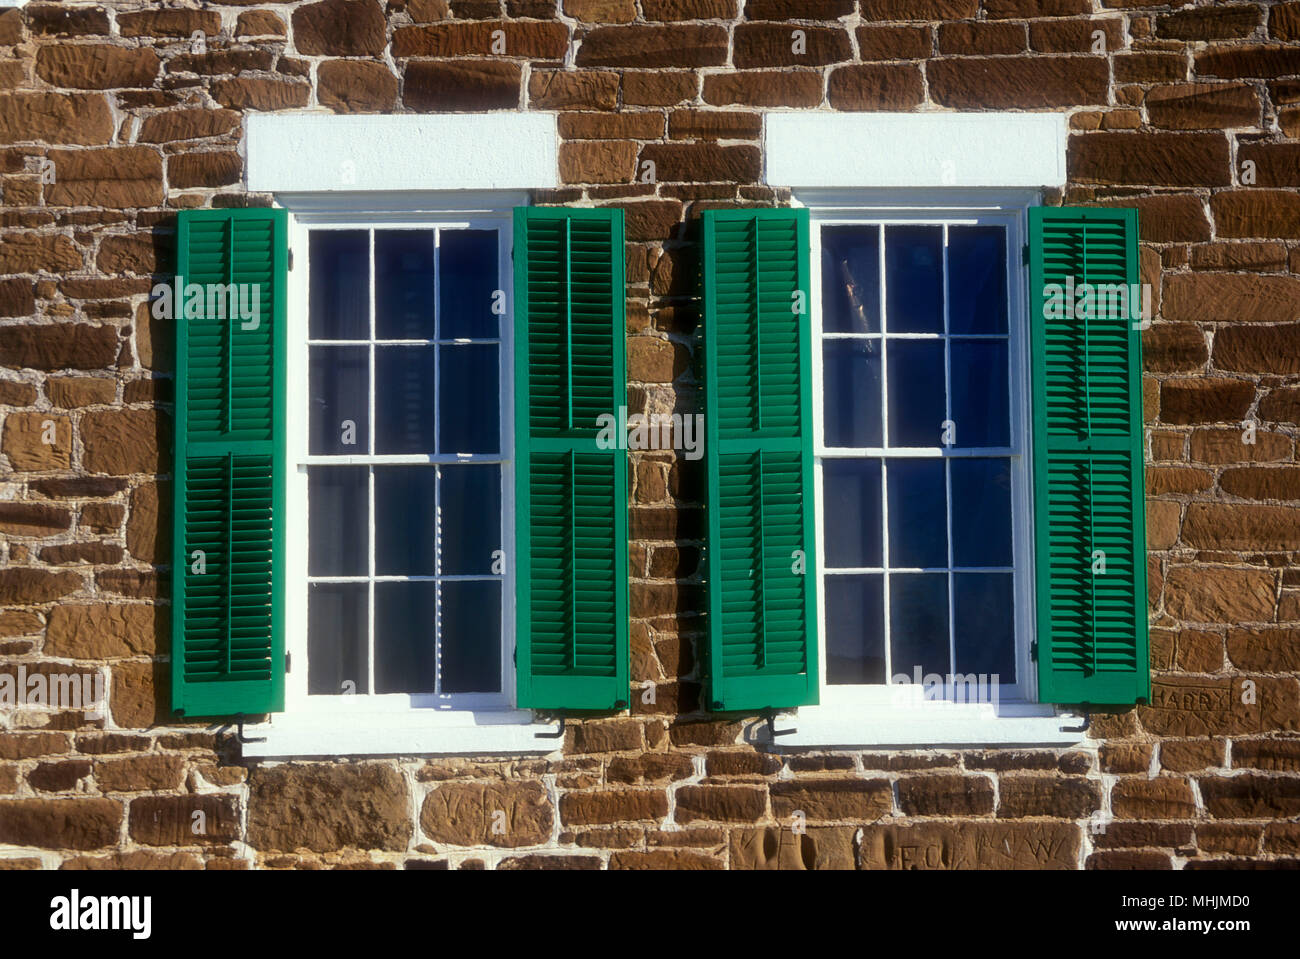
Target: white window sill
408	734
929	725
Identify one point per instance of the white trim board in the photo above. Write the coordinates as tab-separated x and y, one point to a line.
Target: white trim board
319	152
914	149
377	734
824	727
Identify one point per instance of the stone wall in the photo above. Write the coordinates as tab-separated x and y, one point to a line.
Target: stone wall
135	123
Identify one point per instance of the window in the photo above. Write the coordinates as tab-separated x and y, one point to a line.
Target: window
402	468
869	399
920	455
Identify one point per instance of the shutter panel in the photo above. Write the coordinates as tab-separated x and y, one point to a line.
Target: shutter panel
571	495
228	610
1088	461
762	617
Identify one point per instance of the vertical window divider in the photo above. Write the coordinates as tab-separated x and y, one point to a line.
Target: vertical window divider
371	685
437	469
947	460
884	445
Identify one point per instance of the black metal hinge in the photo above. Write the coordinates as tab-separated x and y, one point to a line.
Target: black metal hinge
291	259
288	662
1033	650
1024	254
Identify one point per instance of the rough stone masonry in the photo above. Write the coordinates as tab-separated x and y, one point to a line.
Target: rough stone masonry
138	122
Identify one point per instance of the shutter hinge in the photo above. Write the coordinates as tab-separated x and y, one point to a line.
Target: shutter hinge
514	656
1024	254
288	662
291	259
1033	650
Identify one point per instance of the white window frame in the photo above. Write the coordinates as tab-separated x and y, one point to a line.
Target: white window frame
899	715
391	723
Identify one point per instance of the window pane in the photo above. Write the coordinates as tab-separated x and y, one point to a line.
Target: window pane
404	405
339	507
468	259
916	398
405	618
918	513
984	620
404	284
980	408
977	279
852	385
851	279
471	637
469	402
918	624
471	518
981	512
336	639
340	285
405	526
855	630
340	399
914	279
851	505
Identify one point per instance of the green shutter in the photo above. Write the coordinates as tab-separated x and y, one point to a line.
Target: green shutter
1088	464
571	494
228	619
758	422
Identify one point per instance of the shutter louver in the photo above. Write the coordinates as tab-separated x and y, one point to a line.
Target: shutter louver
762	618
1090	537
227	632
572	607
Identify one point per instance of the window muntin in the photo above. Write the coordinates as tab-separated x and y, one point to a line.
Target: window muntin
922	542
405	423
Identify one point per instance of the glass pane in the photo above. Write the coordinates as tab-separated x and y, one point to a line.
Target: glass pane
404	284
851	506
471	637
339	512
339	383
471	518
918	624
855	630
980	408
916	400
406	533
985	625
977	279
404	399
469	400
918	514
914	279
468	259
336	639
851	279
981	512
852	385
405	625
340	285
